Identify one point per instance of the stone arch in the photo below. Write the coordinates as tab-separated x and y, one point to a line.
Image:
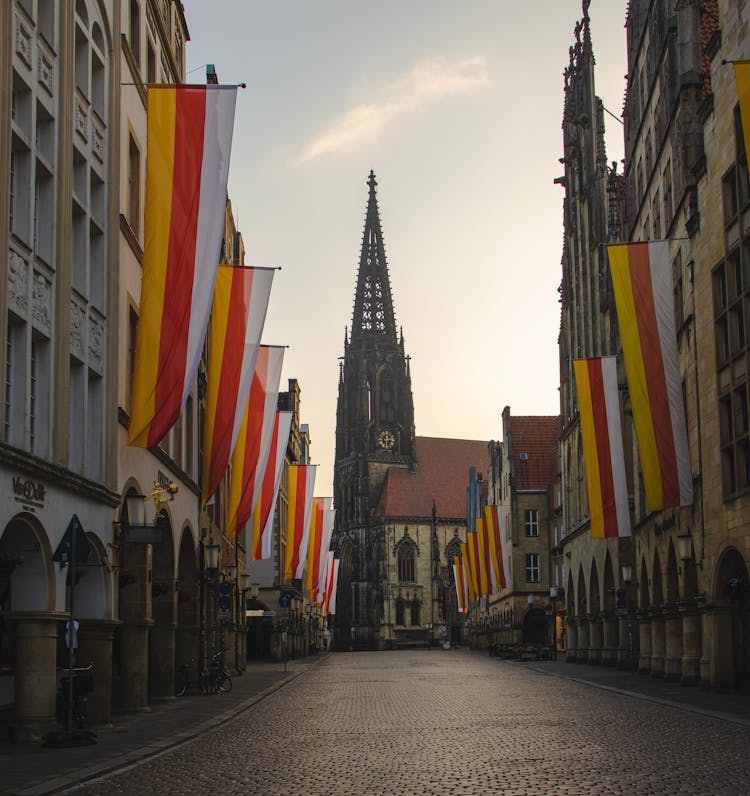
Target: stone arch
673	576
406	552
610	594
187	637
582	597
732	590
644	599
161	640
594	591
452	549
657	588
570	605
93	595
26	569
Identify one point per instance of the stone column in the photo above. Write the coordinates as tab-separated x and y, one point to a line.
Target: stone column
644	642
691	646
596	634
611	641
582	656
658	645
673	646
95	646
161	661
35	638
571	645
134	664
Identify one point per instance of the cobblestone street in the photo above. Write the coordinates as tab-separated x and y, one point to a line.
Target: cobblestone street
439	722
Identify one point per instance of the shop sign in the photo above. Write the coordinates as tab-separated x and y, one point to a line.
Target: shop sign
30	494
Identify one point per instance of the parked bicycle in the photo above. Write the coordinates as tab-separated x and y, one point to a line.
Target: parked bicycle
218	676
184	679
83	683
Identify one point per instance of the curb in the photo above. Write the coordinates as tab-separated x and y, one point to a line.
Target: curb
96	771
714	714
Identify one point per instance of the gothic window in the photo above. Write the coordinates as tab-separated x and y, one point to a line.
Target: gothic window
531	522
415	611
387	408
452	550
399	611
406	561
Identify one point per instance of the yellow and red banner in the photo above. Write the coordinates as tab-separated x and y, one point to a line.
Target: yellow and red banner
254	440
603	454
237	317
483	558
189	140
259	541
466	557
462	589
497	548
742	78
331	580
301	483
321	529
642	283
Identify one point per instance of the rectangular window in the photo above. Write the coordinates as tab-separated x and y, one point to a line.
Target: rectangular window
189	435
132	332
150	62
532	567
135	32
531	522
33	393
734	430
134	185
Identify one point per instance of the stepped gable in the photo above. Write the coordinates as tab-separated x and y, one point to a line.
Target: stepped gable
441	474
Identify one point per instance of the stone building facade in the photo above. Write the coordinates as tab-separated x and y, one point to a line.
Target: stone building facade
684	612
587	572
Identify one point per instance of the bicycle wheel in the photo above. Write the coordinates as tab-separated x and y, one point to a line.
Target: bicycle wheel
181	681
223	681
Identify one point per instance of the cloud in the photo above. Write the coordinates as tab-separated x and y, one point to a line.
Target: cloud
427	81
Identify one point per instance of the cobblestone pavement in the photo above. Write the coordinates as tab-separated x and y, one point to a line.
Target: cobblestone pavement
438	722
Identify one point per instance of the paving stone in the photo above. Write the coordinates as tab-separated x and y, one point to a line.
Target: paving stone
438	722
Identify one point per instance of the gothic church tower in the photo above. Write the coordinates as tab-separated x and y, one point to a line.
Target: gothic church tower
374	432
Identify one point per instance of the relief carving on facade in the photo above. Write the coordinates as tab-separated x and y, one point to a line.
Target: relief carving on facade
77	317
46	70
95	339
97	140
81	119
18	274
41	309
23	42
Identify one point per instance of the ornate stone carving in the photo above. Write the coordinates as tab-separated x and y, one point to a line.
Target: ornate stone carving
23	42
46	68
95	342
41	309
97	139
81	119
18	274
77	318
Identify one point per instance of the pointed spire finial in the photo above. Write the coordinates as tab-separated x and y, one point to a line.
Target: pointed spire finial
372	182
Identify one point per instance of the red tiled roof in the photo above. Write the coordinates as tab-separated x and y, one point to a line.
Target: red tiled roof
441	474
537	437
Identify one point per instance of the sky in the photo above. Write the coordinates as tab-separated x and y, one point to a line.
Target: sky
457	107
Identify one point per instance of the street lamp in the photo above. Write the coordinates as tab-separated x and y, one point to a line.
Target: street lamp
553	601
627	579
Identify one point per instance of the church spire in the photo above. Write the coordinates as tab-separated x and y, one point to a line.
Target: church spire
373	307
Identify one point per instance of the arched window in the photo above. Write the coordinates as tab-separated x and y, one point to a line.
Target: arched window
399	611
415	606
406	561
